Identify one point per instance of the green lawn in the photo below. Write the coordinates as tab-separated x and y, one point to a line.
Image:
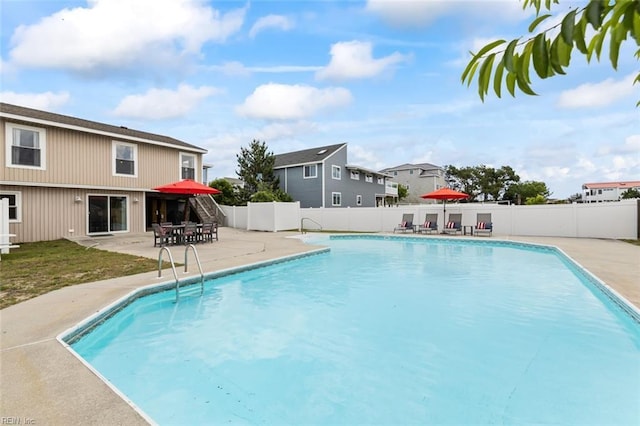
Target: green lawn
38	268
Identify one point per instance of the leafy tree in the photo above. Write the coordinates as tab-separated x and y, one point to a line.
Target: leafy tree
482	183
255	166
267	194
494	182
402	192
521	192
631	193
462	179
538	199
228	195
615	20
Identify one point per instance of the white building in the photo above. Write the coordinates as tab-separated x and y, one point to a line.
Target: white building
607	191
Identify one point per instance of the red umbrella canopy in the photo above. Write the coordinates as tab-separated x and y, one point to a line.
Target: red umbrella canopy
187	187
445	194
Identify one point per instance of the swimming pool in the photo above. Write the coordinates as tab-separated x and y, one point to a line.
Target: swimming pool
379	330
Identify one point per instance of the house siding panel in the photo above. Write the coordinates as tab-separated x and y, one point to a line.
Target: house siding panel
51	213
86	160
307	191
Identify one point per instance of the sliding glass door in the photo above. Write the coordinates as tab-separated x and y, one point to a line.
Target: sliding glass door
107	213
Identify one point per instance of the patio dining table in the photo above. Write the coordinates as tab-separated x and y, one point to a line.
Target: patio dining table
177	233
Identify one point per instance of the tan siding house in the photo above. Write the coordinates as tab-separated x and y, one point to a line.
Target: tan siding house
66	176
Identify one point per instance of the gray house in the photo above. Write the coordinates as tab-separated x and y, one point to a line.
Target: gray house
418	178
321	177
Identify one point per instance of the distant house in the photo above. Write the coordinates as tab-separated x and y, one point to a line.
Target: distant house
418	178
607	191
65	176
321	177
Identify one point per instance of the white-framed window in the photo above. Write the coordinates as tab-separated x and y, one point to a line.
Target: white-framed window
358	200
368	178
187	166
15	204
25	146
310	171
355	175
380	180
336	198
336	172
125	159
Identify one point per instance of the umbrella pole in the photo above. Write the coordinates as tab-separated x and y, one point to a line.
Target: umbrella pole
444	216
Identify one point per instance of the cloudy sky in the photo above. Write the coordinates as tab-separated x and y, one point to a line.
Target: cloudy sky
381	75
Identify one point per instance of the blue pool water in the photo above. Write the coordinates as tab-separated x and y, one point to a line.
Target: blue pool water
380	331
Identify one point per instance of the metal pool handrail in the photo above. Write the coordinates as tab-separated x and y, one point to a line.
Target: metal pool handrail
195	252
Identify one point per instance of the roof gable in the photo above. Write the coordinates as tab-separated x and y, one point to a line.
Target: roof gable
58	120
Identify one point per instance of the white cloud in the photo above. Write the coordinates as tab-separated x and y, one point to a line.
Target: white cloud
237	68
115	34
597	94
231	68
631	145
354	59
286	130
421	13
271	21
44	101
291	102
159	104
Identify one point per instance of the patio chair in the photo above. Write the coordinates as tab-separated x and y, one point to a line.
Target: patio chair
484	224
209	231
161	236
406	224
190	233
430	224
454	224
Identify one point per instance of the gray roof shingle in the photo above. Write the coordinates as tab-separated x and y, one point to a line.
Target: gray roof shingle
312	155
91	126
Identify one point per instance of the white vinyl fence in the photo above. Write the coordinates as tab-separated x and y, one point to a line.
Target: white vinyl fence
594	220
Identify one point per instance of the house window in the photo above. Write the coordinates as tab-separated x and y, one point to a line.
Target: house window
358	200
411	171
380	181
395	173
310	171
355	175
14	205
336	199
336	172
368	178
25	146
125	159
188	166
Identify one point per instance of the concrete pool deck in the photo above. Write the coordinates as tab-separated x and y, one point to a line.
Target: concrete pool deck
42	383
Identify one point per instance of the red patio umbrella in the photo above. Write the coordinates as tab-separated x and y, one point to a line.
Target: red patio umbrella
445	194
187	187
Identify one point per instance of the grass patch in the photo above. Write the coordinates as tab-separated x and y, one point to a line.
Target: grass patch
634	242
38	268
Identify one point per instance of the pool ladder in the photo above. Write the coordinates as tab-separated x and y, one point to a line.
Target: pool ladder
186	267
309	219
